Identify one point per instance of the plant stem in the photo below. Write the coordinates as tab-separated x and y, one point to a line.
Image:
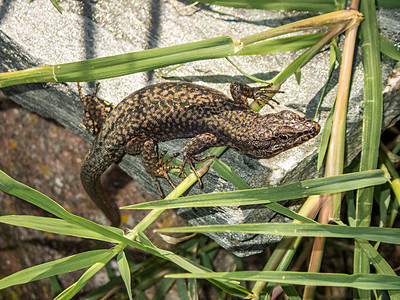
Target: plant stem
334	18
372	125
336	149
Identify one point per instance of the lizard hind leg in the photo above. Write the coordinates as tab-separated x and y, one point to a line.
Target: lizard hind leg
155	165
164	173
163	169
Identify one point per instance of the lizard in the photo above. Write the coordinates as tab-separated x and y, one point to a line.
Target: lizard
171	110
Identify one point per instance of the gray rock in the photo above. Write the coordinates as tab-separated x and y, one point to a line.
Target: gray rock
33	34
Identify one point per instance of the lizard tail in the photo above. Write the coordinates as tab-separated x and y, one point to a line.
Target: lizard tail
95	163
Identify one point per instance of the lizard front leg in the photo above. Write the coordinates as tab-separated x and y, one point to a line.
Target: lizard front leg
197	145
241	92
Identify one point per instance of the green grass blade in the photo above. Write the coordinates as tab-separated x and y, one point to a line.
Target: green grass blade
231	288
125	272
141	295
334	55
388	48
289	213
304	58
385	235
163	288
379	263
388	3
60	266
292	43
77	286
55	285
395	177
226	172
278	261
360	281
101	291
332	64
183	291
13	187
56	5
123	64
251	77
58	226
296	190
326	134
383	198
373	99
291	291
372	125
310	5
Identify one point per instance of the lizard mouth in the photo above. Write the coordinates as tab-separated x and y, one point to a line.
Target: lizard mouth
311	130
314	128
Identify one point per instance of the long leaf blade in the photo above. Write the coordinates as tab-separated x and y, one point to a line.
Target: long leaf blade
123	64
360	281
77	286
20	190
310	5
385	235
296	190
60	266
372	125
58	226
125	272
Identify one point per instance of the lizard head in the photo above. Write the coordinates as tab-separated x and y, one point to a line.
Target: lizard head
279	132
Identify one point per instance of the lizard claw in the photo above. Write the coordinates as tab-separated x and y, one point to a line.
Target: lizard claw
191	163
165	163
162	171
260	94
192	160
160	191
182	170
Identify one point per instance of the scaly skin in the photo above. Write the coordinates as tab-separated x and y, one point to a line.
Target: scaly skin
171	110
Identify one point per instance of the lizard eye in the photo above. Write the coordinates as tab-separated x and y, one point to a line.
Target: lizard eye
284	137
